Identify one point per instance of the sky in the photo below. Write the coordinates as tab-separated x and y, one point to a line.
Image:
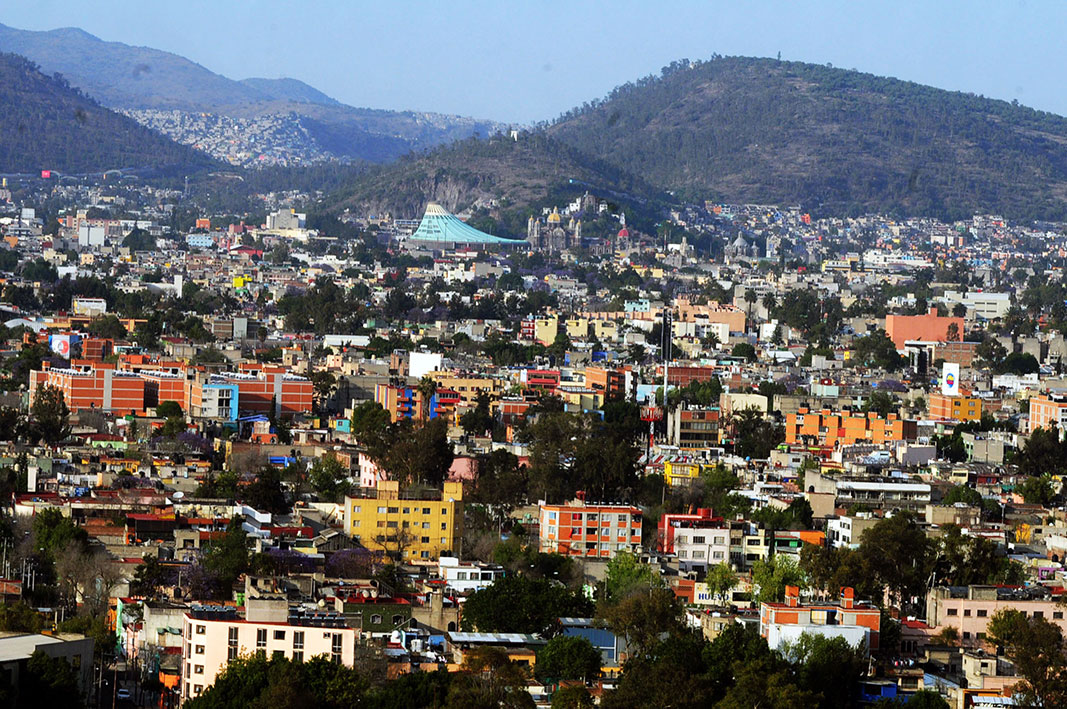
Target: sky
524	62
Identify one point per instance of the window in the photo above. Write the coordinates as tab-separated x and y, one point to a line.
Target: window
425	525
966	612
336	648
966	635
261	637
426	510
1039	614
375	619
698	540
398	619
197	689
298	640
444	526
381	510
425	555
231	642
393	510
982	612
200	629
698	554
199	649
953	611
407	510
444	540
460	575
356	509
1057	615
298	656
426	540
198	670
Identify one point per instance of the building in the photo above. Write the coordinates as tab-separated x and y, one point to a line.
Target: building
693	428
968	609
214	635
406	402
1047	410
782	623
93	385
467	576
16	649
845	428
409	528
956	408
846	531
892	492
929	327
260	387
589	530
699	540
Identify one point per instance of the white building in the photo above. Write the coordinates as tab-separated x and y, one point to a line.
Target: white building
465	576
700	549
214	635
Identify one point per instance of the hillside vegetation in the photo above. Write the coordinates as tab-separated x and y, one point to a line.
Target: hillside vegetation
836	141
45	124
514	177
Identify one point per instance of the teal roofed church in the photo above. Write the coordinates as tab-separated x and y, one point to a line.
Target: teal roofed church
439	226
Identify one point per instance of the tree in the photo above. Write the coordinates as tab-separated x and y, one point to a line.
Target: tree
721	579
49	414
877	350
329	478
744	349
517	604
414	454
226	558
882	403
772	576
625	574
369	420
266	493
479	420
566	657
897	553
49	682
149	576
819	658
427	388
644	617
1035	645
108	326
573	697
1044	453
169	409
1036	490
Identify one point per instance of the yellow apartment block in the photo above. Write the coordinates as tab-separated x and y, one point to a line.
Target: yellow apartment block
406	528
469	386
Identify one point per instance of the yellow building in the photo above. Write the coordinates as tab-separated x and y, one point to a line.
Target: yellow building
680	471
545	330
468	386
577	328
605	330
408	529
958	408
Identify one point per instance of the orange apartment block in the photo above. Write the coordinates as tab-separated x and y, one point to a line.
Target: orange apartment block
930	328
589	530
1047	410
609	382
164	385
260	385
956	408
93	385
405	402
842	428
845	614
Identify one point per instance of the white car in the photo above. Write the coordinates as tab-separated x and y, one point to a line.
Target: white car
123	694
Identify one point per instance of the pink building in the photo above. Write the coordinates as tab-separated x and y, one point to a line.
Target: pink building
968	610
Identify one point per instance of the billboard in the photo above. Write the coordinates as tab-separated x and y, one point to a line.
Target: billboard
950	379
60	344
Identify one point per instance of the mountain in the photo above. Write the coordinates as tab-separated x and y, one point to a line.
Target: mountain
47	125
835	141
509	178
290	90
171	93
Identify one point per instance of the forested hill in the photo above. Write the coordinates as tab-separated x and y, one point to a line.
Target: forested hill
836	141
45	124
516	176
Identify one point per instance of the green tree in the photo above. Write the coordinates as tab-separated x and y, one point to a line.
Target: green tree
517	604
108	326
744	349
643	618
897	553
329	478
819	658
567	657
1036	490
882	403
369	420
479	420
625	574
721	580
227	557
169	409
49	682
877	350
49	414
772	576
1035	645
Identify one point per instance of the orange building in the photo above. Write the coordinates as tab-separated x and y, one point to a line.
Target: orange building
609	382
92	385
259	386
1047	410
833	428
776	619
406	402
957	408
590	530
930	328
163	385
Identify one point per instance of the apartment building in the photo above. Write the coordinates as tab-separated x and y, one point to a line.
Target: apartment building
406	402
596	530
956	408
693	428
782	623
968	609
844	428
214	635
898	492
699	540
408	527
1048	410
93	385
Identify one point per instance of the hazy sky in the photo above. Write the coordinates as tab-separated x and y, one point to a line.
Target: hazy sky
528	61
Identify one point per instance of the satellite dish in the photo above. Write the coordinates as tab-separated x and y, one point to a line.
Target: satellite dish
178	495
